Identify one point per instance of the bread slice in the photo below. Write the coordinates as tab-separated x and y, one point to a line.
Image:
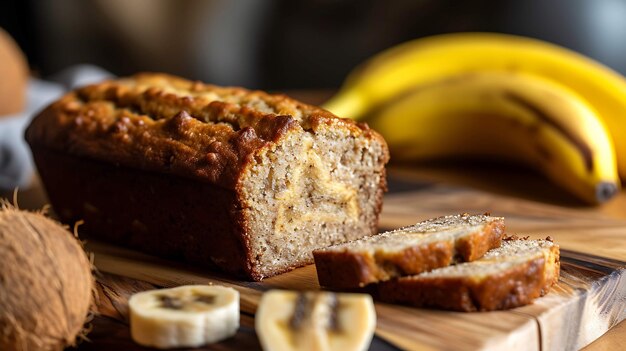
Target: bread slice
243	180
427	245
509	276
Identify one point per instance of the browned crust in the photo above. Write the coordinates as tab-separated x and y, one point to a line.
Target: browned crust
517	286
473	247
350	269
165	216
167	124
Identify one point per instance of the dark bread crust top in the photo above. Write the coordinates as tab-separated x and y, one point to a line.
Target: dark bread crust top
168	124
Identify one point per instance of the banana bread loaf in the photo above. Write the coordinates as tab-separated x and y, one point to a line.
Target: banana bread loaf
510	276
430	244
246	181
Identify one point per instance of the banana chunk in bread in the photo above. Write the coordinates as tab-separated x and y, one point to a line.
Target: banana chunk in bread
242	180
430	244
510	276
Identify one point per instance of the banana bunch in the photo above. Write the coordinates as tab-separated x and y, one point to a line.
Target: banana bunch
495	95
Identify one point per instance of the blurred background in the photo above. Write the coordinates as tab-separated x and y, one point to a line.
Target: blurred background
305	48
283	44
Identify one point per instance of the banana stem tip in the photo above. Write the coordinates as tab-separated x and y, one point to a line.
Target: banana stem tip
605	191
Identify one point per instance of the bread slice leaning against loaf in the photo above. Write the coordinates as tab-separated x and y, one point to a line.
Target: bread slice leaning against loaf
430	244
509	276
242	180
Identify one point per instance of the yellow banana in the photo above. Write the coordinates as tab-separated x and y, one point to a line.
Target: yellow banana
427	60
505	115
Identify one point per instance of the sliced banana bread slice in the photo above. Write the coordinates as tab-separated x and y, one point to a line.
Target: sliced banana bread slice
509	276
430	244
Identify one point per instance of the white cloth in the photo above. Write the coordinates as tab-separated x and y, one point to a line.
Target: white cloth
16	165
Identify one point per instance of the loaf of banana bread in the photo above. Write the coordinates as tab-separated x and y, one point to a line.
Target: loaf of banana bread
430	244
241	180
510	276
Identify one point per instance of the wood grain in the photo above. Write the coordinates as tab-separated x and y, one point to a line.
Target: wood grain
578	229
587	301
614	339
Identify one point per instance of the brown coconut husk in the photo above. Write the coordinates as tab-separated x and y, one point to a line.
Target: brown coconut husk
46	282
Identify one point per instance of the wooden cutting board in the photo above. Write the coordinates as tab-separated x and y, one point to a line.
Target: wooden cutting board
587	302
589	299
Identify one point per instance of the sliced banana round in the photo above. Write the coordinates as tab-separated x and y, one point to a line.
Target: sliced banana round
186	316
289	320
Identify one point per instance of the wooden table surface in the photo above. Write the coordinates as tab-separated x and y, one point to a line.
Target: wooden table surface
520	183
505	182
508	190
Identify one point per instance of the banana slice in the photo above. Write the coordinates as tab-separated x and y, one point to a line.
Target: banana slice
186	316
320	321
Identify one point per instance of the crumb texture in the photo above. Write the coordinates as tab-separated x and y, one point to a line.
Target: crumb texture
510	276
430	244
309	192
510	254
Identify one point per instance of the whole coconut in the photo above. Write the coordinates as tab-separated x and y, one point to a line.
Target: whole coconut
45	282
13	76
